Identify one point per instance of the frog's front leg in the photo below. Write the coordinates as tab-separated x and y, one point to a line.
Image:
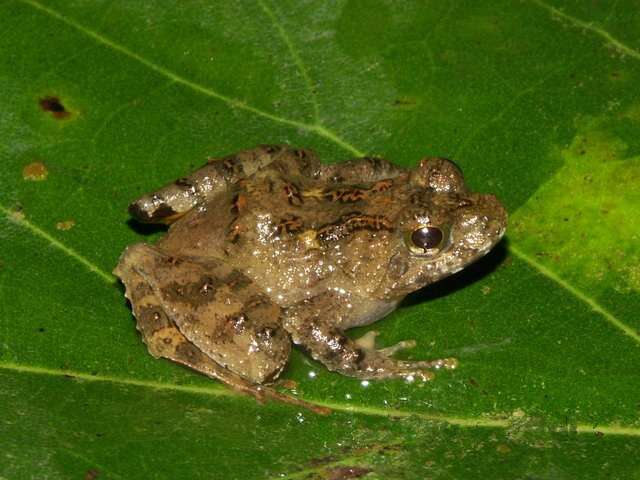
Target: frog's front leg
175	199
312	324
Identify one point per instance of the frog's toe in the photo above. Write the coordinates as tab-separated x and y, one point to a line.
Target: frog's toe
368	342
398	347
450	363
422	370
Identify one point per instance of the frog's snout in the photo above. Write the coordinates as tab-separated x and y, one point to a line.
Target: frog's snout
481	224
498	219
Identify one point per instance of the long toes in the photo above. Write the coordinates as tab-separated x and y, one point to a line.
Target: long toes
420	370
404	345
448	363
412	375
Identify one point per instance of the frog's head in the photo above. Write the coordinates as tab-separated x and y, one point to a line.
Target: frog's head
443	229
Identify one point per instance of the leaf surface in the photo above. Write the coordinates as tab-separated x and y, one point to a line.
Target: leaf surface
537	102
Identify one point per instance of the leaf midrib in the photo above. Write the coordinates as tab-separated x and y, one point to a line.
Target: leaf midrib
322	131
218	390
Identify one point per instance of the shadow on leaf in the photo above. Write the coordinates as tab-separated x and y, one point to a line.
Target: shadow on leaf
146	229
471	274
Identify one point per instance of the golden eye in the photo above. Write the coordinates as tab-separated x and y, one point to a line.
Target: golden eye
426	239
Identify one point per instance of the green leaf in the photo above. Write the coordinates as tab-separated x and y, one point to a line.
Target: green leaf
537	102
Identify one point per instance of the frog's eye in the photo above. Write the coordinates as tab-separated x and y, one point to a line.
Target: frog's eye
426	239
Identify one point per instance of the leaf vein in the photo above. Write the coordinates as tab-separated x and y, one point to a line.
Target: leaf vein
576	22
37	231
510	105
319	130
316	128
595	306
121	108
218	390
296	57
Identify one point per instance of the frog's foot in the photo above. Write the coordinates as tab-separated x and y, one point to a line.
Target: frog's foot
164	339
377	364
368	341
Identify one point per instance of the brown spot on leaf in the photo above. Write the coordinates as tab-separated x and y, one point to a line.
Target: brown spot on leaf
35	172
91	474
17	215
503	448
66	224
54	105
405	103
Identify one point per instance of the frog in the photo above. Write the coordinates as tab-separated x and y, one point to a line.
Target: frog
271	247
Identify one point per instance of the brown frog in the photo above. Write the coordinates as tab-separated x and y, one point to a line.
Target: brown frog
270	246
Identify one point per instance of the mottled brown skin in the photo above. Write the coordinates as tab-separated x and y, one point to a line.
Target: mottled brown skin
269	246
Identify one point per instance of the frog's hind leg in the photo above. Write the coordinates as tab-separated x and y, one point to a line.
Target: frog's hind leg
175	199
164	340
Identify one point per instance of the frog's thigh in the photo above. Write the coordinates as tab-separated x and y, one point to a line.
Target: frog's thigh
163	339
312	325
219	310
175	199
